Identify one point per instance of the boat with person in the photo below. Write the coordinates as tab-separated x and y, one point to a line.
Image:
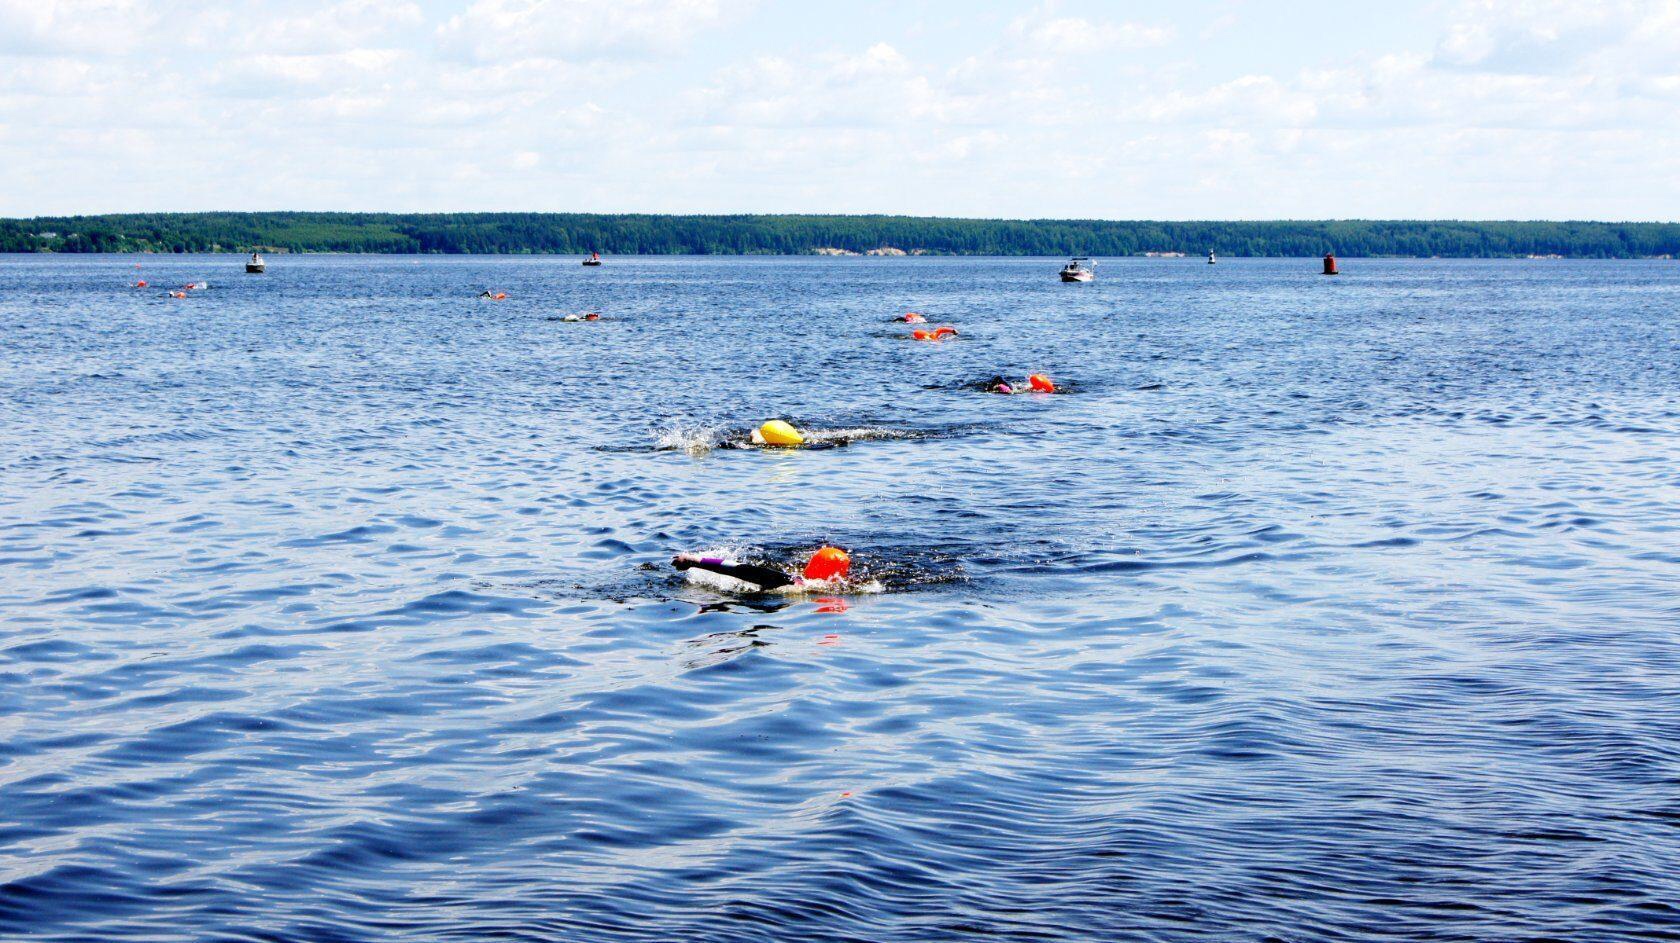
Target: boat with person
256	265
1079	269
594	259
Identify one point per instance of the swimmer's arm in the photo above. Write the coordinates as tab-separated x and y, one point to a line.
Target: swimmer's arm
762	576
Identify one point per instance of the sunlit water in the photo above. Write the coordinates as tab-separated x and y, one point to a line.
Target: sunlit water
337	604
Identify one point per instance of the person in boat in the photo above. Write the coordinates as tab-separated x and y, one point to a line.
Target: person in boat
826	565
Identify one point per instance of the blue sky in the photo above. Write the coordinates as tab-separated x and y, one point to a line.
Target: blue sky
1243	110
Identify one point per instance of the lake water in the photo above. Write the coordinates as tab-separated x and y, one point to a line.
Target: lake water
337	604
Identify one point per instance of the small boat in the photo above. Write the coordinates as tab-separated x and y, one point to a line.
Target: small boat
1211	259
1079	269
256	266
594	259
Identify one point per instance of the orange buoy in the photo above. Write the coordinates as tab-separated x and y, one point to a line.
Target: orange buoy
140	284
1041	383
1330	264
922	335
828	563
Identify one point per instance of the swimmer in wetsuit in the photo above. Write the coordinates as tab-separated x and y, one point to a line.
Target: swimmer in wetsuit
827	563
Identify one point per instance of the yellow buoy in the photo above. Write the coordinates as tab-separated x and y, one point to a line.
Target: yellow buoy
777	432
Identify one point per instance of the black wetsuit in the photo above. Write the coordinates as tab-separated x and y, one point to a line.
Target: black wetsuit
764	577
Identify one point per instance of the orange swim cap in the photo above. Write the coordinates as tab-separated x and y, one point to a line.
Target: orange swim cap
1041	383
828	563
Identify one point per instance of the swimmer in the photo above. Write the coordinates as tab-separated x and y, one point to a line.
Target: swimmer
912	317
1036	383
826	566
575	318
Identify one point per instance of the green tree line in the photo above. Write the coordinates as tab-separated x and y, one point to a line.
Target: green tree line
638	234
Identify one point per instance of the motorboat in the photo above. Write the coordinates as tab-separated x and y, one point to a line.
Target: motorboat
1079	269
594	259
256	265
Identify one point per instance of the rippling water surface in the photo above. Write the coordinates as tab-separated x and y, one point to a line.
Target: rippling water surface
337	603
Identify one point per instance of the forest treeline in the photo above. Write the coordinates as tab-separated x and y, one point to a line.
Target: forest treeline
634	234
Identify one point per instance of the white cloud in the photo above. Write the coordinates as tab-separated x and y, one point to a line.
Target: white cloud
86	27
490	30
1485	107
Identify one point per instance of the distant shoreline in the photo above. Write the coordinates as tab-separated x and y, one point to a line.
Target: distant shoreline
640	234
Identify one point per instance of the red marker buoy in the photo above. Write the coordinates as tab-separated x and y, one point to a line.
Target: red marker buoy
1330	264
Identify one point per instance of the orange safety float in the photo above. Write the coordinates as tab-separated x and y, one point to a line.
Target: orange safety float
828	563
1041	383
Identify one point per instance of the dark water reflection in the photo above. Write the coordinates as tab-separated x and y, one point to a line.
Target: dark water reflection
336	603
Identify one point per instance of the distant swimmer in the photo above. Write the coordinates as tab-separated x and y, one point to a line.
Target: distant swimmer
488	295
1036	383
588	316
826	565
937	334
911	317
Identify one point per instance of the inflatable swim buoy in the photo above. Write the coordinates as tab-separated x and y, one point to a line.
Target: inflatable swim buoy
177	294
140	284
922	335
828	563
779	433
1041	383
913	318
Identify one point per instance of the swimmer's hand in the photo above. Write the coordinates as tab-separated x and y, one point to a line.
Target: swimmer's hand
683	561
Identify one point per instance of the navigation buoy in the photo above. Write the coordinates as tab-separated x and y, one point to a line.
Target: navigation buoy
1041	383
779	433
1330	264
828	563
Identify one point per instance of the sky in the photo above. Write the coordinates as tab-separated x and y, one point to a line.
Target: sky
1194	109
